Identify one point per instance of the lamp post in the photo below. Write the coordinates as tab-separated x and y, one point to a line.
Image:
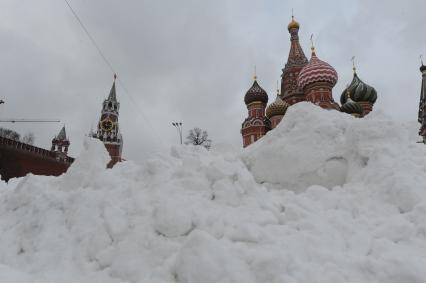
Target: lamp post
178	126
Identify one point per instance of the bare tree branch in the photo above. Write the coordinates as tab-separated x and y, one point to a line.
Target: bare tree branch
197	136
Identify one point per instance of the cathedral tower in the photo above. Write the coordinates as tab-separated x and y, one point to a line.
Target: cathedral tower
316	80
60	145
422	105
256	125
276	111
361	93
290	92
108	130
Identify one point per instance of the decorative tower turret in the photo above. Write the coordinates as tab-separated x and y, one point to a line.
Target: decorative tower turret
290	92
360	92
60	144
108	130
276	110
351	107
317	80
422	105
256	124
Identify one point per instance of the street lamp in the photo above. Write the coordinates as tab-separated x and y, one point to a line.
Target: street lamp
178	126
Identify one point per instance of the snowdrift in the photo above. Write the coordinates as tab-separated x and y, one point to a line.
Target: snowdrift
323	198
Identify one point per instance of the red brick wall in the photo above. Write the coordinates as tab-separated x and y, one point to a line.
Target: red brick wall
115	153
18	159
275	120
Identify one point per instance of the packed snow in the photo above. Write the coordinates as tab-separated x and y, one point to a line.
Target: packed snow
324	197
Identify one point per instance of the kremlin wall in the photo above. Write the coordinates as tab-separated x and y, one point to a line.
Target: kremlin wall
17	159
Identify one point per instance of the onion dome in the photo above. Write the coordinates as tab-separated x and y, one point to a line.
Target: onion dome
278	107
256	93
351	107
317	71
293	24
359	91
422	68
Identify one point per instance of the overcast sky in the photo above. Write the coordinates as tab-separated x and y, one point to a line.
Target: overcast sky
192	61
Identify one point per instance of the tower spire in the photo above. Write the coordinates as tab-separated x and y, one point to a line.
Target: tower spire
108	130
296	60
312	44
112	94
255	75
353	64
278	89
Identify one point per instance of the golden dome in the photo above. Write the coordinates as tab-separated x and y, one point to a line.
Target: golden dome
293	24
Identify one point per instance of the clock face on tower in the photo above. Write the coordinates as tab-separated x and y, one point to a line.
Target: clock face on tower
107	125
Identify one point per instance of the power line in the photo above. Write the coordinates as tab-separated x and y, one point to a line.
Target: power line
90	37
30	120
108	63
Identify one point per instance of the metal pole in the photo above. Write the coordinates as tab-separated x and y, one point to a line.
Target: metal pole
180	131
178	126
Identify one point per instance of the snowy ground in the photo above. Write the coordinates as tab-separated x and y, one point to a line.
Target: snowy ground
323	198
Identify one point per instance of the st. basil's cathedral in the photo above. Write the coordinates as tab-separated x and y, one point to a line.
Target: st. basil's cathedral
302	80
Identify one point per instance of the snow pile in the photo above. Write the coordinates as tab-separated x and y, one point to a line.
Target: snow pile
322	198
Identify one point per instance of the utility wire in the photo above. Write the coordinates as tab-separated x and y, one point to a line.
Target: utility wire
108	63
90	37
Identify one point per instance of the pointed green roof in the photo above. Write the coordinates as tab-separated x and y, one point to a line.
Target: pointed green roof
62	134
112	94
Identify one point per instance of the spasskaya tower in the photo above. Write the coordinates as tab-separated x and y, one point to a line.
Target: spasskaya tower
108	130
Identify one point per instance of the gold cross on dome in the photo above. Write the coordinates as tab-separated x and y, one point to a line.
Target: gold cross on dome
353	64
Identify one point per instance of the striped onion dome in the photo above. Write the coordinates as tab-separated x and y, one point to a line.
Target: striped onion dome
359	91
278	107
256	93
317	71
351	107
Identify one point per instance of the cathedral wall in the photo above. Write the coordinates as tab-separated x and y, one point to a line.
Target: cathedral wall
252	134
275	120
320	94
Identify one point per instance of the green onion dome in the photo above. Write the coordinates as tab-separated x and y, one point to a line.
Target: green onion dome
256	93
278	107
359	91
351	107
